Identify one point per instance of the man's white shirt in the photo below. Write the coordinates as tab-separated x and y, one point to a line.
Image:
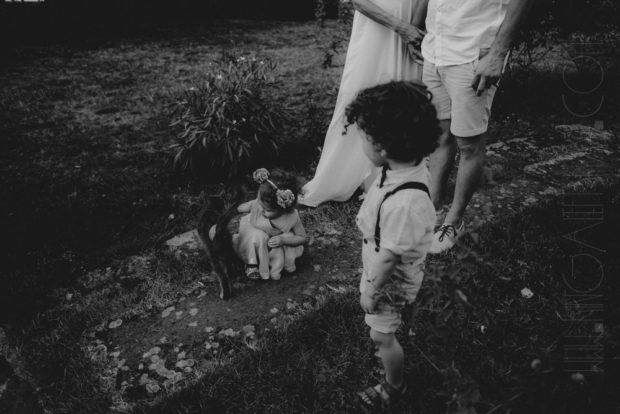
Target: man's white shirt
458	29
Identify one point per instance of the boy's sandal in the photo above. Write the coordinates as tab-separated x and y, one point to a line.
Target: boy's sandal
380	397
252	272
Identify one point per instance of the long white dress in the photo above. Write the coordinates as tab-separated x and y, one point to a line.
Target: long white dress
375	55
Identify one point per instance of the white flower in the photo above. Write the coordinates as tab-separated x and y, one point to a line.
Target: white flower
526	293
219	77
261	175
285	198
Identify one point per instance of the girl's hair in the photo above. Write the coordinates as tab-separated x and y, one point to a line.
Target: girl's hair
267	193
400	117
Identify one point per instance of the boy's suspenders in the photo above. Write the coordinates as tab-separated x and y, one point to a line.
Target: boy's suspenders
405	186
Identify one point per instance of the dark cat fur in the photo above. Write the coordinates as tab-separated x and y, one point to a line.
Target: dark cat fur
222	258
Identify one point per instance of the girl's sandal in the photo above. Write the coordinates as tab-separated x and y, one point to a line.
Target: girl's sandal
252	273
380	397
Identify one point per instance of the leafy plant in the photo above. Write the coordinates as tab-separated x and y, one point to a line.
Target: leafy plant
229	124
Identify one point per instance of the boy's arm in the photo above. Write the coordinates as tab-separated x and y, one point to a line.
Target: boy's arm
379	274
490	67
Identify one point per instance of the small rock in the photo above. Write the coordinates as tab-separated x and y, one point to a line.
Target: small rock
178	314
274	310
193	311
227	332
115	324
527	293
192	324
152	388
187	241
153	351
166	312
185	363
144	379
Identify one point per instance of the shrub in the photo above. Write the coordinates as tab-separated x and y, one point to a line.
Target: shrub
229	125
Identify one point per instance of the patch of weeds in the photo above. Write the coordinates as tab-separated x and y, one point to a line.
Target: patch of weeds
227	124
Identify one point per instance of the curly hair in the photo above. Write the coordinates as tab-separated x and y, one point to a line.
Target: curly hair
268	194
398	116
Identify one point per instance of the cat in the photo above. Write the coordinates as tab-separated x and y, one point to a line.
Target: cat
218	245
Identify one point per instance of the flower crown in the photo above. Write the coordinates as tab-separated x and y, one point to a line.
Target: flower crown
284	198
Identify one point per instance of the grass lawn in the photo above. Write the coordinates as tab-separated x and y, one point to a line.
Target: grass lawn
476	340
86	182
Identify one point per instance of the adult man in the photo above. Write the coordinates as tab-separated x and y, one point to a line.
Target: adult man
465	50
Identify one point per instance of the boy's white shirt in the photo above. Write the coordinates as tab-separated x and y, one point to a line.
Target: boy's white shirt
407	220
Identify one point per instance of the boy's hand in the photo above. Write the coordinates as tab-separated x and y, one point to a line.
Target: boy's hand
368	300
275	241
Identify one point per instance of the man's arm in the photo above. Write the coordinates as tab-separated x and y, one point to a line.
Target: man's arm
490	67
408	32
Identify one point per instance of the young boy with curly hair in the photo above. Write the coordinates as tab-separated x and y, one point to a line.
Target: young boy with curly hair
399	129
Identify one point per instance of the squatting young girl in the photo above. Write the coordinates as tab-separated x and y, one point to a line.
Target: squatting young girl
399	128
271	236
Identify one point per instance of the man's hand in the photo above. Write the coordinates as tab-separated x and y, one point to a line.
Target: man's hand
275	241
415	53
488	72
368	300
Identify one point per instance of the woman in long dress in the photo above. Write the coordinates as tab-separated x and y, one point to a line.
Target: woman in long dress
382	47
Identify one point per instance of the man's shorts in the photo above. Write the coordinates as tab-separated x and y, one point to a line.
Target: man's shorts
455	99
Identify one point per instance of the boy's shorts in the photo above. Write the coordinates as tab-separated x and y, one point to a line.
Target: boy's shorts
394	297
455	99
384	321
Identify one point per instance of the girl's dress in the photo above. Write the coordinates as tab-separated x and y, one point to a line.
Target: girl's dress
375	55
255	230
